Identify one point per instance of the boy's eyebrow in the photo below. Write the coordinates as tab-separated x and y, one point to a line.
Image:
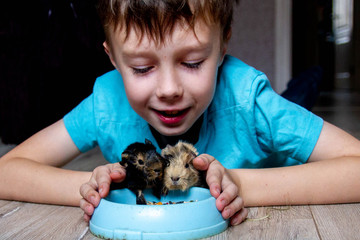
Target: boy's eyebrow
184	50
135	54
199	48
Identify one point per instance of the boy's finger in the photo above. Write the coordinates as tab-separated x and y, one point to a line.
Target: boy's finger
117	176
214	178
117	172
87	217
215	189
231	209
239	217
203	161
90	194
228	194
87	207
103	180
116	167
229	189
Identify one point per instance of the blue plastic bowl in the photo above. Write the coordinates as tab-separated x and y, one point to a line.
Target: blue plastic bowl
118	217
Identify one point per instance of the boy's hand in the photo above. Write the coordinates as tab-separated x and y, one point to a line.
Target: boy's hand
98	186
222	188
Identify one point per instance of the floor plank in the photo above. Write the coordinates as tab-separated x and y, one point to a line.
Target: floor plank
8	208
39	221
282	223
337	221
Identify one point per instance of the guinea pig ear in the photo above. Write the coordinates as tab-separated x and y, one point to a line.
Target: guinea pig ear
163	151
190	148
124	164
183	146
124	158
128	152
167	147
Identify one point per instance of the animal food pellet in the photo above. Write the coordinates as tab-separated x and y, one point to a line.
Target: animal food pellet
168	203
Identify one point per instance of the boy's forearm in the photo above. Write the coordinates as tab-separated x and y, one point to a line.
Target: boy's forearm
312	183
26	180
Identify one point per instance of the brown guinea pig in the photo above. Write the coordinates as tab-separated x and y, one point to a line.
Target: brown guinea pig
180	172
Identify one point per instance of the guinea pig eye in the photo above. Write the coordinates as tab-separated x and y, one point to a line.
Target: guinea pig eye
141	162
167	163
186	165
168	156
157	170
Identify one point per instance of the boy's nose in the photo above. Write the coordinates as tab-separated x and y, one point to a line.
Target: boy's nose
169	86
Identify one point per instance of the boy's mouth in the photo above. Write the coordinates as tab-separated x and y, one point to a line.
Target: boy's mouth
172	116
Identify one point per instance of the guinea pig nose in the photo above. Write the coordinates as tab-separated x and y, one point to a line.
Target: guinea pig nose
175	179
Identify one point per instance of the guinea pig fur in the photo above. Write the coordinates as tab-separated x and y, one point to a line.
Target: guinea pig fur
180	172
144	169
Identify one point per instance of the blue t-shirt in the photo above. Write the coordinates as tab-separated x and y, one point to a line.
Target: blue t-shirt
247	125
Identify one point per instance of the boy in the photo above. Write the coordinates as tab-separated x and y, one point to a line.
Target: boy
173	81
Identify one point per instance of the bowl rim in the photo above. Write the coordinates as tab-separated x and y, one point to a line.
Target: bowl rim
147	193
206	229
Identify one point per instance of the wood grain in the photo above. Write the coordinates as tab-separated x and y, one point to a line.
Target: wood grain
340	221
39	221
294	222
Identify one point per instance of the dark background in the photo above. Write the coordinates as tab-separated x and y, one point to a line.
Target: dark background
51	53
313	39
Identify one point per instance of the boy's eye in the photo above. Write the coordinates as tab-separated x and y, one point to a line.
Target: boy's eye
192	65
141	70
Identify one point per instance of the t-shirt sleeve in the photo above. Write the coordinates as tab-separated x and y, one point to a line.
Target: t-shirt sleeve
80	124
283	127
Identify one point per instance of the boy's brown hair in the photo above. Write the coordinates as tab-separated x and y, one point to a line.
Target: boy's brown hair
157	18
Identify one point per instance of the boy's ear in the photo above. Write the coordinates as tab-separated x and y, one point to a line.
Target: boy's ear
225	46
223	52
108	52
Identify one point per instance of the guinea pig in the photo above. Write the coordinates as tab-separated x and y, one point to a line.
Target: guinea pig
144	169
180	172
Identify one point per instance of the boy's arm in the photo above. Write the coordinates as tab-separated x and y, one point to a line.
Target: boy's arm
30	171
332	175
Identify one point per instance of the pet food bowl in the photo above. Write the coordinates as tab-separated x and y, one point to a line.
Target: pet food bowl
118	217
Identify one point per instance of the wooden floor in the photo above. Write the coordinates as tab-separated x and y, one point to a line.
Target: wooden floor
20	220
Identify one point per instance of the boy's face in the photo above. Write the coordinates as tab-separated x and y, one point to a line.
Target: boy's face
172	83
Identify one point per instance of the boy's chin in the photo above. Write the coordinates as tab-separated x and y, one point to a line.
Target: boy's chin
171	132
